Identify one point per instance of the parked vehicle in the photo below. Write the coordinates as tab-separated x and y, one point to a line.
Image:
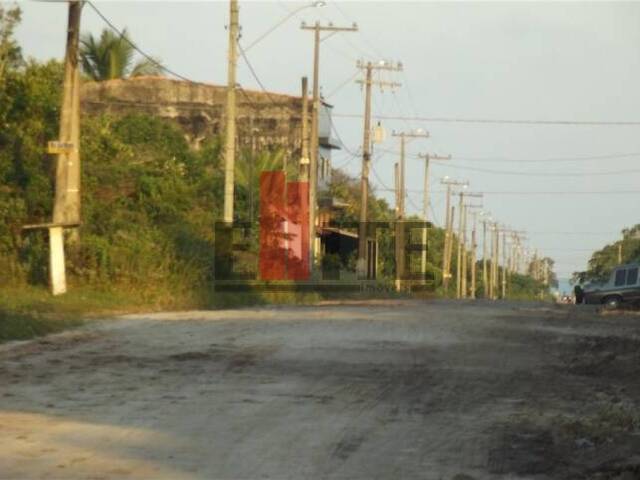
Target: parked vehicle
623	287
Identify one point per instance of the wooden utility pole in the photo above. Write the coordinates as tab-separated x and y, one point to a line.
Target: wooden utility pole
304	150
620	253
366	156
314	143
400	253
425	207
66	207
230	120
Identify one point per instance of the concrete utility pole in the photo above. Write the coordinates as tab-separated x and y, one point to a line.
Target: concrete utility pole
504	264
448	235
314	144
495	269
509	266
366	155
304	152
485	277
474	246
466	253
400	253
461	279
425	207
66	207
230	146
463	283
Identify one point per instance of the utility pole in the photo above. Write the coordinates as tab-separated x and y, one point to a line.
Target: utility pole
304	157
459	257
398	247
461	266
366	155
495	268
474	246
448	234
400	253
425	207
504	264
230	146
466	253
485	278
66	207
620	253
252	161
509	257
314	145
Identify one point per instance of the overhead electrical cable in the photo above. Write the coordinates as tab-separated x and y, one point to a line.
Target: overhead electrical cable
493	121
540	174
135	47
582	158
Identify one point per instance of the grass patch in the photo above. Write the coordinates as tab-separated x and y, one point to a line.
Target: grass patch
20	326
27	311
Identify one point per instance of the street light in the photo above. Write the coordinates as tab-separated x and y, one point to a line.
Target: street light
291	14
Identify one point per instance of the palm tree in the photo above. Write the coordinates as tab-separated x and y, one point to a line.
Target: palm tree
112	56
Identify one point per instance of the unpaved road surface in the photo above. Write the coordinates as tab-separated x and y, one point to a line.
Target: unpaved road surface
393	390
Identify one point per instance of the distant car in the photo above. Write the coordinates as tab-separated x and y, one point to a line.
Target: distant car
623	287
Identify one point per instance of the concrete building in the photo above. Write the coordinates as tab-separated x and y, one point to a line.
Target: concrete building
264	119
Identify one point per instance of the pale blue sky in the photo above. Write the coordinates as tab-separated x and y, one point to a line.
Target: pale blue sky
541	61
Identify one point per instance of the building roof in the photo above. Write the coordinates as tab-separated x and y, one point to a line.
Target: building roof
155	79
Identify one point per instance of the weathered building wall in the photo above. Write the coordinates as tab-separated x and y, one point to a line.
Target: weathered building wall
264	119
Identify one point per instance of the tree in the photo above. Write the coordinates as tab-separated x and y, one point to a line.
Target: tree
604	260
10	53
112	56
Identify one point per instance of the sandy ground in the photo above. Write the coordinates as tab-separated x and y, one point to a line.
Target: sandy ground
398	389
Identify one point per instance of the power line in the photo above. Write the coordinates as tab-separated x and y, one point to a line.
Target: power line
135	47
551	192
553	160
342	85
529	174
494	121
545	174
385	188
251	69
574	233
582	158
344	145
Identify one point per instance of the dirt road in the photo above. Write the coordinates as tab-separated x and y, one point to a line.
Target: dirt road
399	389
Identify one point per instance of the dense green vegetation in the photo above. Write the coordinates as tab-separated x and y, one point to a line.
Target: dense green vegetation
604	260
149	204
